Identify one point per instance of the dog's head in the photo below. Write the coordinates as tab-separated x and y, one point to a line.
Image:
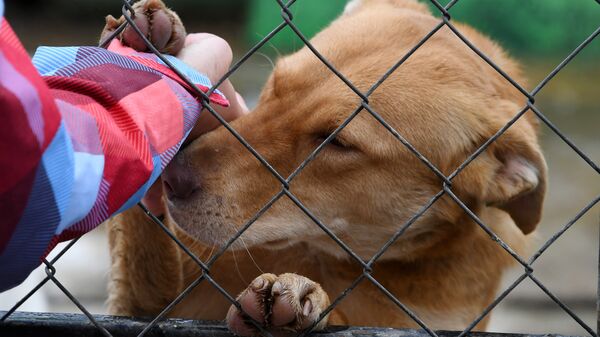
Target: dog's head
366	184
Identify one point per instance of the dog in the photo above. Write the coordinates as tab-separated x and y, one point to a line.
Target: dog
363	186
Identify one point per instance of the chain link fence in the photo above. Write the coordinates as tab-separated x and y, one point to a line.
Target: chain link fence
17	323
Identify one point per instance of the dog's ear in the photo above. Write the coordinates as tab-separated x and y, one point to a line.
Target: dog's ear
517	183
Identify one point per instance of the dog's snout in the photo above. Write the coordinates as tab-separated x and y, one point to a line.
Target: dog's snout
179	181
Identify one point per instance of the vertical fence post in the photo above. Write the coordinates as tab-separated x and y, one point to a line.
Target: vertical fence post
598	279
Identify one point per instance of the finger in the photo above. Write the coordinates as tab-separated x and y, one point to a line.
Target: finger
211	55
235	108
208	54
208	122
242	103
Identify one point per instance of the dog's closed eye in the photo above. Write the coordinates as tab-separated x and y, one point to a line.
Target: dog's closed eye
337	142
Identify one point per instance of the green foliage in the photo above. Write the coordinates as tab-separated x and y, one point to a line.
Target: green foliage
533	27
527	28
309	15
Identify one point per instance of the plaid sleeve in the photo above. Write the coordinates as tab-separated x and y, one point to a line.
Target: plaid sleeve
83	142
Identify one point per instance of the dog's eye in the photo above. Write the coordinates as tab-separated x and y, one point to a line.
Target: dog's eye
335	142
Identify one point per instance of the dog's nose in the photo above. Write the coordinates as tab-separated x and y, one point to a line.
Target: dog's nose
178	180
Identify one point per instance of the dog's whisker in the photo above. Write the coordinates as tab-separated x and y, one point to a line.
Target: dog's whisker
268	58
251	257
212	250
237	268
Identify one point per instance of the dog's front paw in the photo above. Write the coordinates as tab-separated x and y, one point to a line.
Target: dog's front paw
283	304
158	23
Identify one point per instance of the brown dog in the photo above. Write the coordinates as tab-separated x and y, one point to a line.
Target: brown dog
363	186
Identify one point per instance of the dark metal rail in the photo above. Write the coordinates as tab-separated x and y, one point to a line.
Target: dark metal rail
36	324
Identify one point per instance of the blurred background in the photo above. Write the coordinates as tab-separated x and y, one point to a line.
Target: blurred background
541	33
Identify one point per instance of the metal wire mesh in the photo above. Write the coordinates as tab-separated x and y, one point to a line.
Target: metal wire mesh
284	192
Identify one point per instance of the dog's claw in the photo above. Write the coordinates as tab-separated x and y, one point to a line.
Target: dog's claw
307	308
287	302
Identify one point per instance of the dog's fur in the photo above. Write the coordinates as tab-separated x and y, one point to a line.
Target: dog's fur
444	100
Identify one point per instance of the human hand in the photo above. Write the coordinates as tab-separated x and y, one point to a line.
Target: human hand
210	55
